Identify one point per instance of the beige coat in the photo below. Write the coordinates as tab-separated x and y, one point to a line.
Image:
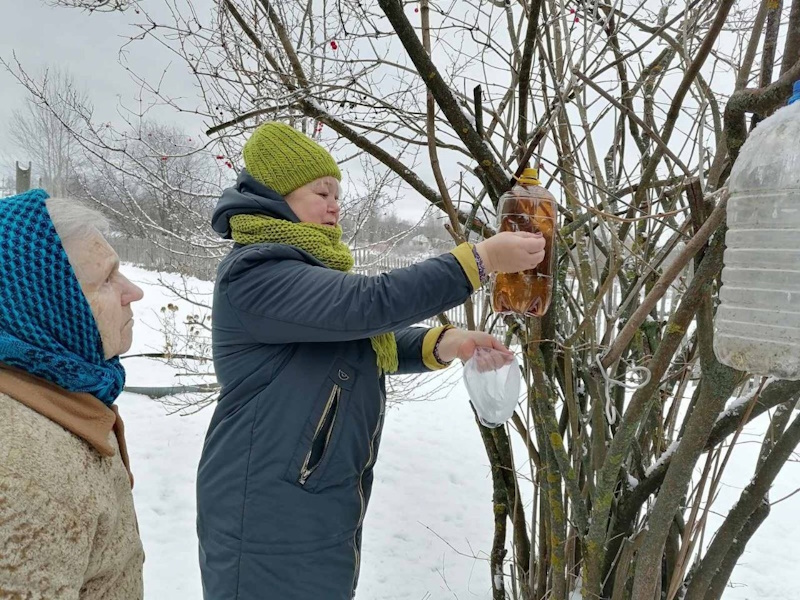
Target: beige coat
68	529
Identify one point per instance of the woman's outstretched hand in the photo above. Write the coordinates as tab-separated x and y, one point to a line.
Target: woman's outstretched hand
511	251
461	343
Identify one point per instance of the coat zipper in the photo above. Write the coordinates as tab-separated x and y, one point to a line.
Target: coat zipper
361	495
332	403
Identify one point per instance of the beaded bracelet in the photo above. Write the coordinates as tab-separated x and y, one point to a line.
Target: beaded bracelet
482	274
436	346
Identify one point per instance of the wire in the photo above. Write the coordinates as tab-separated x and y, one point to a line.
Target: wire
610	409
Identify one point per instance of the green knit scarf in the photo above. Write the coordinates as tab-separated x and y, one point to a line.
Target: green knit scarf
323	243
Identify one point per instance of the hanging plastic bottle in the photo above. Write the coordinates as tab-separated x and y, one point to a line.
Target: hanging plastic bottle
527	207
757	326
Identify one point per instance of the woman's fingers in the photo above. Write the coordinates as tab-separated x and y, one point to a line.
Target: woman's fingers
483	363
498	345
538	257
490	354
487	352
512	252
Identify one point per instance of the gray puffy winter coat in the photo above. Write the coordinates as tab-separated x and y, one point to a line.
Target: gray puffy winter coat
286	471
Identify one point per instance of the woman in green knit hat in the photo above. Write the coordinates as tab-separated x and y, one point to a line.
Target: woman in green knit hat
301	349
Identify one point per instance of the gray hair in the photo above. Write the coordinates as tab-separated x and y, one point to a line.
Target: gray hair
74	220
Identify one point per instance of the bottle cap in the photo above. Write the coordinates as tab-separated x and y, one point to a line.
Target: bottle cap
529	177
795	93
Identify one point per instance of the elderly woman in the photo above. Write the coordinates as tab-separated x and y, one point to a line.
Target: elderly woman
302	348
67	523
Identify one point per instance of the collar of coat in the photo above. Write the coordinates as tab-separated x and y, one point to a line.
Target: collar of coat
79	413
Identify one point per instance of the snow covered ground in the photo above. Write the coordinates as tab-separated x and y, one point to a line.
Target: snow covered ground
429	526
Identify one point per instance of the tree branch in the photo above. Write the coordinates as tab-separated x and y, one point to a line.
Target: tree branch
496	177
632	115
171	390
525	73
638	408
770	44
776	393
761	101
312	109
752	497
286	43
719	582
716	387
791	50
662	285
670	121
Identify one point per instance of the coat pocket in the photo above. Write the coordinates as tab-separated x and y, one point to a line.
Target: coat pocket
322	436
322	431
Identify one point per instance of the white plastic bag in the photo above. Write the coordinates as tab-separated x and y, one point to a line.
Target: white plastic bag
492	379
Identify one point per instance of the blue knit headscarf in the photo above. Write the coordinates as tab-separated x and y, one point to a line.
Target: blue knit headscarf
46	325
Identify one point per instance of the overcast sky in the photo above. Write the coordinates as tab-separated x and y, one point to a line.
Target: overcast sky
88	46
40	35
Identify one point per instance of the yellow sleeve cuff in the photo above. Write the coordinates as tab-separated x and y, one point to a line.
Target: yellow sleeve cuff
428	343
464	255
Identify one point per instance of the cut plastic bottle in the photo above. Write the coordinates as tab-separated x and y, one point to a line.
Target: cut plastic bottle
757	325
527	207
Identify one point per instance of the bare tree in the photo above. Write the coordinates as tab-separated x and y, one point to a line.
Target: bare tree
161	185
157	183
94	5
40	137
634	112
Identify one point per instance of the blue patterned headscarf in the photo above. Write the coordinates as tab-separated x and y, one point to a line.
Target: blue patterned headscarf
46	325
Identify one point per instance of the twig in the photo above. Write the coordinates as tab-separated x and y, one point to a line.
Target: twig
632	115
662	285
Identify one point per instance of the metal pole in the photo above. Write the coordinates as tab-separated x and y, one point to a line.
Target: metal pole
23	178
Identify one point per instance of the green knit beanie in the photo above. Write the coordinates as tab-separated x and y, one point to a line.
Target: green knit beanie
284	159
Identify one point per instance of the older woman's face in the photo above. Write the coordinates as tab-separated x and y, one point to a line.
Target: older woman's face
316	202
108	291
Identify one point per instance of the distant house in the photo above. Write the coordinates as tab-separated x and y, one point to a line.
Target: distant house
380	248
420	243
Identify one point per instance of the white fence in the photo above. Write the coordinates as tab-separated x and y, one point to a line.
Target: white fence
170	256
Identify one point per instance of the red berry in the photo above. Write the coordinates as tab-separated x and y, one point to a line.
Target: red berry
416	9
228	164
334	45
220	157
163	158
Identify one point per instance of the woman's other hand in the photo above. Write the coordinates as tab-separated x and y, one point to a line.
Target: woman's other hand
461	343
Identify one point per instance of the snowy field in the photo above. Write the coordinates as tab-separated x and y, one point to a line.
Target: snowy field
429	526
